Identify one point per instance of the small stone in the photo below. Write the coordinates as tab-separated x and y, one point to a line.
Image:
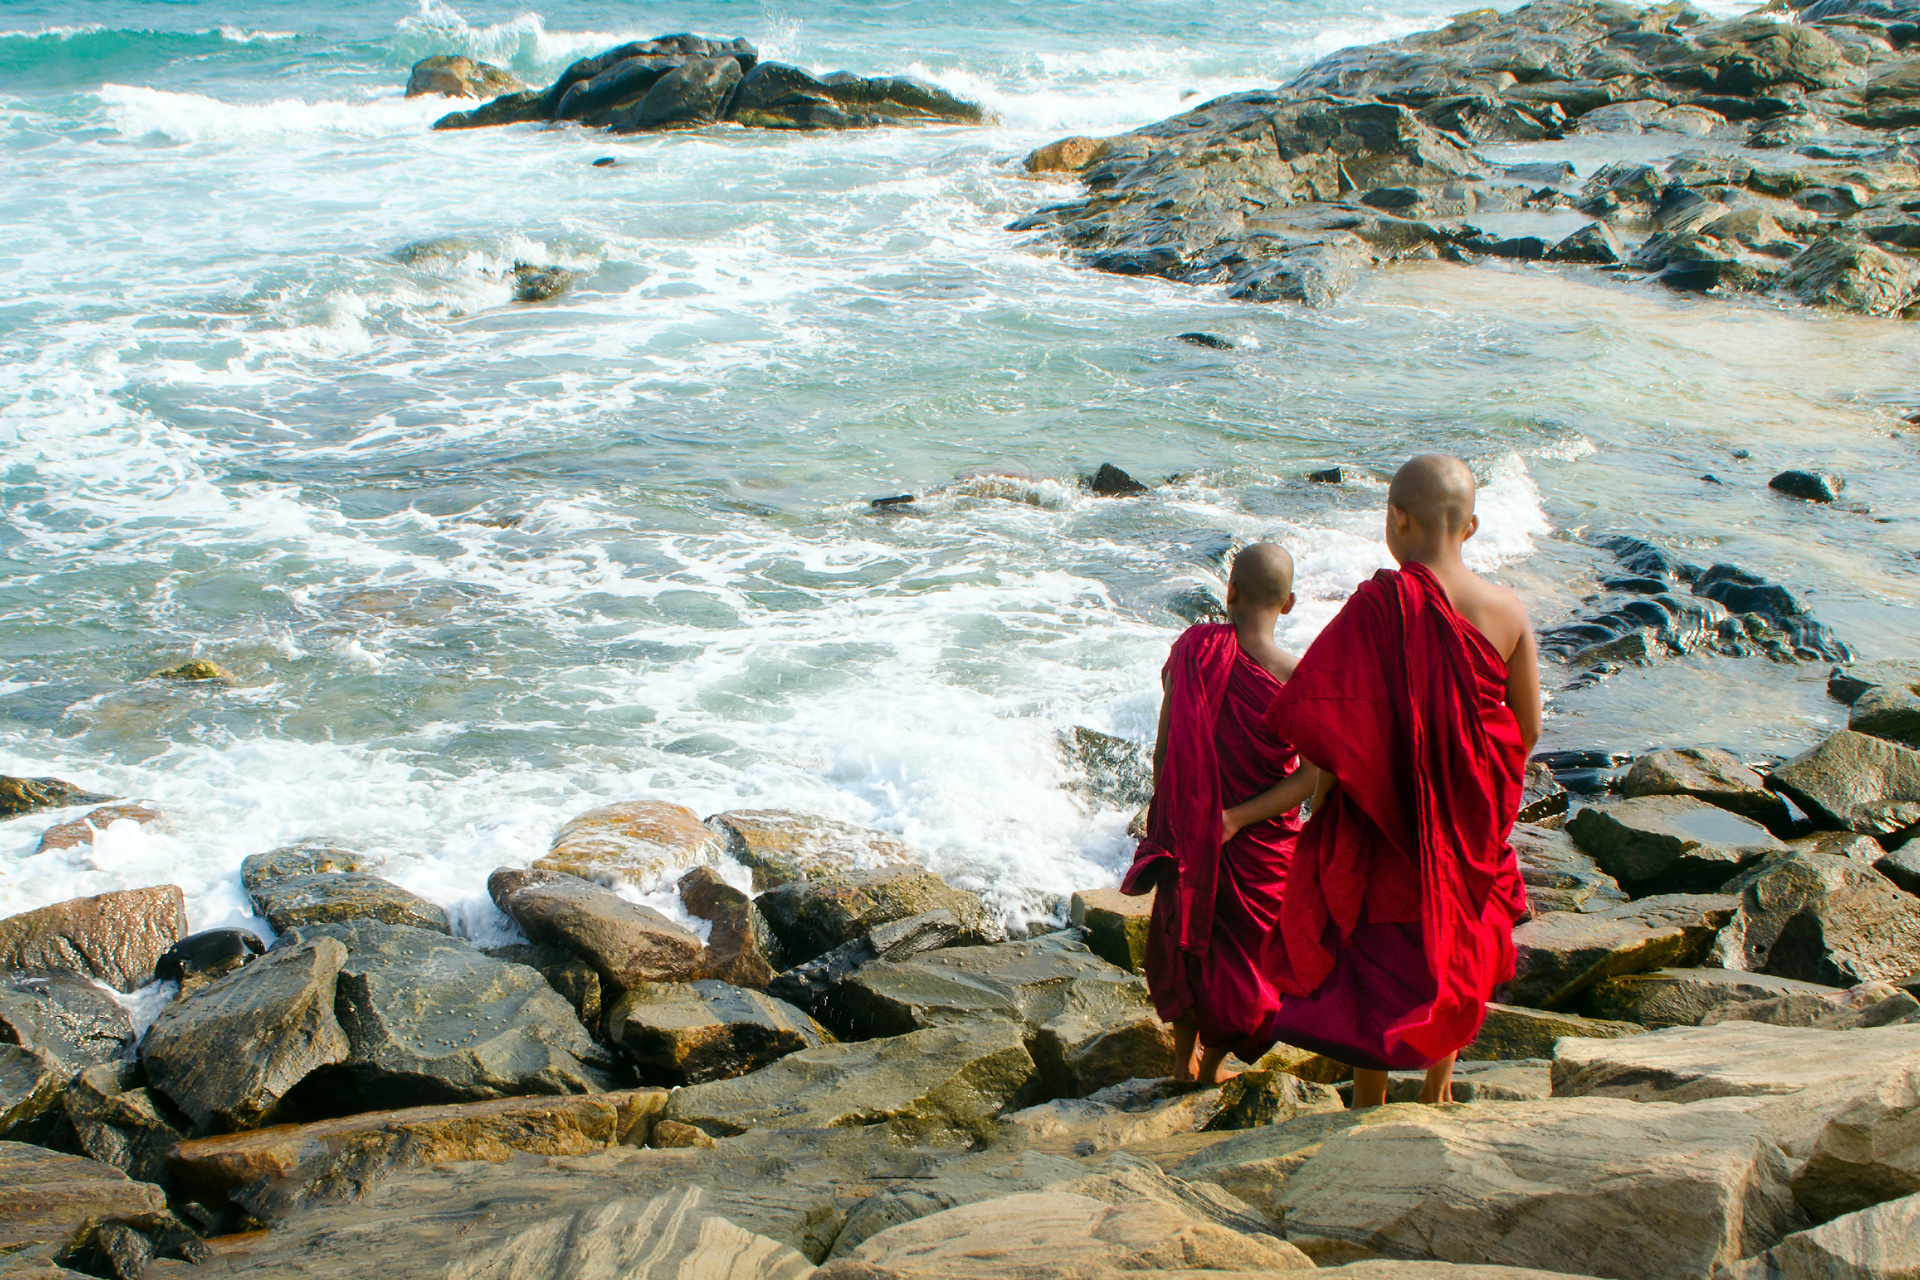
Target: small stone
1809	486
1111	482
605	162
1116	925
1332	475
1212	341
1068	155
1595	243
195	670
202	957
671	1134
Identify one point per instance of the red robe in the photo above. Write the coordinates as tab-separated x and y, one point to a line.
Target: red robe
1216	903
1400	905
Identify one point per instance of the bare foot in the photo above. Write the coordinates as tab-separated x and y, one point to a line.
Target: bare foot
1211	1068
1186	1048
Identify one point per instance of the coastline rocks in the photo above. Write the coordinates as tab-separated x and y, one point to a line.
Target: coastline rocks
431	1020
120	1124
1558	876
1263	1096
82	830
953	1080
690	1033
32	1085
815	985
737	938
228	1055
577	981
1669	843
1561	954
632	842
629	944
117	937
811	917
1879	1243
303	901
203	957
1068	155
1711	775
1515	1034
1853	782
1133	1111
25	795
1542	798
1115	924
689	95
1892	713
1687	997
781	846
1820	919
1027	982
1851	275
453	76
63	1016
56	1205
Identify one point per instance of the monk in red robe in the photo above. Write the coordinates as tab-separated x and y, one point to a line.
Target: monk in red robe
1220	831
1420	704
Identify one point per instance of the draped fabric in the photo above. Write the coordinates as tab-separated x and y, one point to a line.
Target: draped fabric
1216	903
1398	914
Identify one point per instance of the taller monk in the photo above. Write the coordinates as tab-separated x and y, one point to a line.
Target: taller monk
1420	704
1220	831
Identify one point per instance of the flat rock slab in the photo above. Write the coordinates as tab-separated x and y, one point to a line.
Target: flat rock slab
690	1033
229	1054
1707	774
1855	782
55	1201
116	937
811	917
1562	953
312	857
1599	1185
1024	981
1116	925
1512	1033
1669	843
299	902
1684	997
1821	919
65	1016
637	842
275	1170
431	1020
1104	1121
629	944
782	846
1558	876
1880	1243
954	1079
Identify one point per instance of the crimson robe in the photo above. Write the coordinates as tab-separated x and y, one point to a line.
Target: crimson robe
1216	903
1397	920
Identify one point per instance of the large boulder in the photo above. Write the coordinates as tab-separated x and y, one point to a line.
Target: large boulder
1892	713
27	795
121	1123
1510	1033
1116	925
1562	953
629	944
316	882
1601	1186
455	76
815	986
1849	274
737	937
1558	876
1669	843
953	1079
1685	997
623	83
689	1033
1878	1243
66	1017
694	93
116	937
781	846
1855	782
813	916
636	842
229	1054
1711	775
577	981
1820	918
57	1203
430	1020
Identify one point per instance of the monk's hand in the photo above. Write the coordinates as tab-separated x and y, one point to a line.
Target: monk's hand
1229	828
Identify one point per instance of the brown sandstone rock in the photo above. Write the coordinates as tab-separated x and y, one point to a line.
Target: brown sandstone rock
632	842
1670	843
811	917
1068	155
78	831
781	846
117	937
1116	925
25	795
1855	782
1686	997
1821	919
733	952
1562	953
689	1033
628	943
1510	1033
55	1203
458	77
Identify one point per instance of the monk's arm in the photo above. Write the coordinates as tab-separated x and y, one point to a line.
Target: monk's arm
1274	801
1160	734
1523	688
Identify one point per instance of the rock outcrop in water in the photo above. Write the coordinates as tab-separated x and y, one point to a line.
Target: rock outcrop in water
685	81
1369	157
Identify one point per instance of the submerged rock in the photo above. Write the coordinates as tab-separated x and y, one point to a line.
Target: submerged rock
116	937
1809	486
454	76
25	795
83	830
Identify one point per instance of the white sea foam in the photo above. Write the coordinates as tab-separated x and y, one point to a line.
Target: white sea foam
139	112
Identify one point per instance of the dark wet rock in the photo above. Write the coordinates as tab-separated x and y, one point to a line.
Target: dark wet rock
57	1204
1711	775
525	107
120	1122
1685	997
429	1019
1890	712
454	76
1855	782
1331	475
1810	486
953	1079
25	795
814	986
781	846
1892	97
535	283
690	1033
1542	797
900	100
1209	340
633	842
1902	866
289	899
1548	173
733	952
116	937
1115	925
200	958
1822	919
32	1085
1108	768
1111	482
576	981
64	1016
1594	243
1846	684
1852	275
229	1054
625	81
1070	155
1511	1033
628	943
693	94
812	917
773	95
606	162
1562	953
892	501
1669	843
1197	604
1558	876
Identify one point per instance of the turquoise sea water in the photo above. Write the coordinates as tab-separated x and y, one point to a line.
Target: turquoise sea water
481	565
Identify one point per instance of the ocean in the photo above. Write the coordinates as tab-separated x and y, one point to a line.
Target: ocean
479	565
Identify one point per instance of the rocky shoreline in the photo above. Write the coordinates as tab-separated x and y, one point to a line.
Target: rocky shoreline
1804	185
1707	1064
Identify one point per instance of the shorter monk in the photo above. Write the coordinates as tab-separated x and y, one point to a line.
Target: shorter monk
1420	703
1220	831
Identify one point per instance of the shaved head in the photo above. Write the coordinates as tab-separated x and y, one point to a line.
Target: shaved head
1436	490
1263	572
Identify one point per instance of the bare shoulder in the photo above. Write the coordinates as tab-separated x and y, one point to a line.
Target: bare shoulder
1498	613
1284	665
